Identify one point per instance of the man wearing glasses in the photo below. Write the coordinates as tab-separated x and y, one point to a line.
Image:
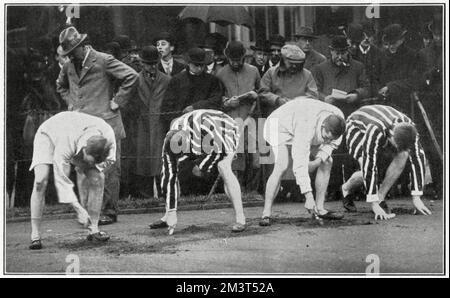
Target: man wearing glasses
304	141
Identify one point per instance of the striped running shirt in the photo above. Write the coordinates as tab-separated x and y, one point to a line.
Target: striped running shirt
367	133
202	136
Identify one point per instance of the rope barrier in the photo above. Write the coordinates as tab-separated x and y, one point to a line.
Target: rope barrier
159	157
42	112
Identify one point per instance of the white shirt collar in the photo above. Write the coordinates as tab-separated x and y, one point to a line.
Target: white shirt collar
87	55
364	51
167	65
210	67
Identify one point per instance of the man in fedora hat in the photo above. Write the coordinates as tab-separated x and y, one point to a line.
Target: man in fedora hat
240	79
399	69
191	89
165	44
368	54
150	91
304	39
260	59
276	43
213	45
88	84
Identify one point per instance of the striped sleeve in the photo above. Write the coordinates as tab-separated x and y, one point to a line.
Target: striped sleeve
417	160
372	142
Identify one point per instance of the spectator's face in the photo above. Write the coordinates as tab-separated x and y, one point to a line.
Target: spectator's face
340	57
236	64
260	57
393	47
209	55
293	67
77	54
164	47
304	43
61	59
195	68
437	39
150	69
275	54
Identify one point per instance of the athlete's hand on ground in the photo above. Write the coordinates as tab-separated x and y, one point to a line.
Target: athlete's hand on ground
380	213
383	91
171	221
420	206
196	171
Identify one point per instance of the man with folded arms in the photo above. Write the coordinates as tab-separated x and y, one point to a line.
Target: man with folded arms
81	140
303	133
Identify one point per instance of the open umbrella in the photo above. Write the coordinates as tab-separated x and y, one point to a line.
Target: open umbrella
222	15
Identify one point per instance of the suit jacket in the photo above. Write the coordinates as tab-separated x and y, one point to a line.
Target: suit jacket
201	92
92	91
177	67
313	58
351	79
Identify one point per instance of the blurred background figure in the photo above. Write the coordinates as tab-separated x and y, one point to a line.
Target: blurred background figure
304	39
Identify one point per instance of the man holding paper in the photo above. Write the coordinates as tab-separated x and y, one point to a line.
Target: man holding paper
341	81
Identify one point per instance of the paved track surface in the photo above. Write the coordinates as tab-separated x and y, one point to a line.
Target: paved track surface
203	243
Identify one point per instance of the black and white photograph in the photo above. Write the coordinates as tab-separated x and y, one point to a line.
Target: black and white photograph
224	139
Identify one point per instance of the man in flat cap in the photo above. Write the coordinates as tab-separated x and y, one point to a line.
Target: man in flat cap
88	84
288	80
304	39
283	83
165	44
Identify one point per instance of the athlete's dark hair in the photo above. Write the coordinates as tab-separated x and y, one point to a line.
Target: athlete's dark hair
335	125
404	136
